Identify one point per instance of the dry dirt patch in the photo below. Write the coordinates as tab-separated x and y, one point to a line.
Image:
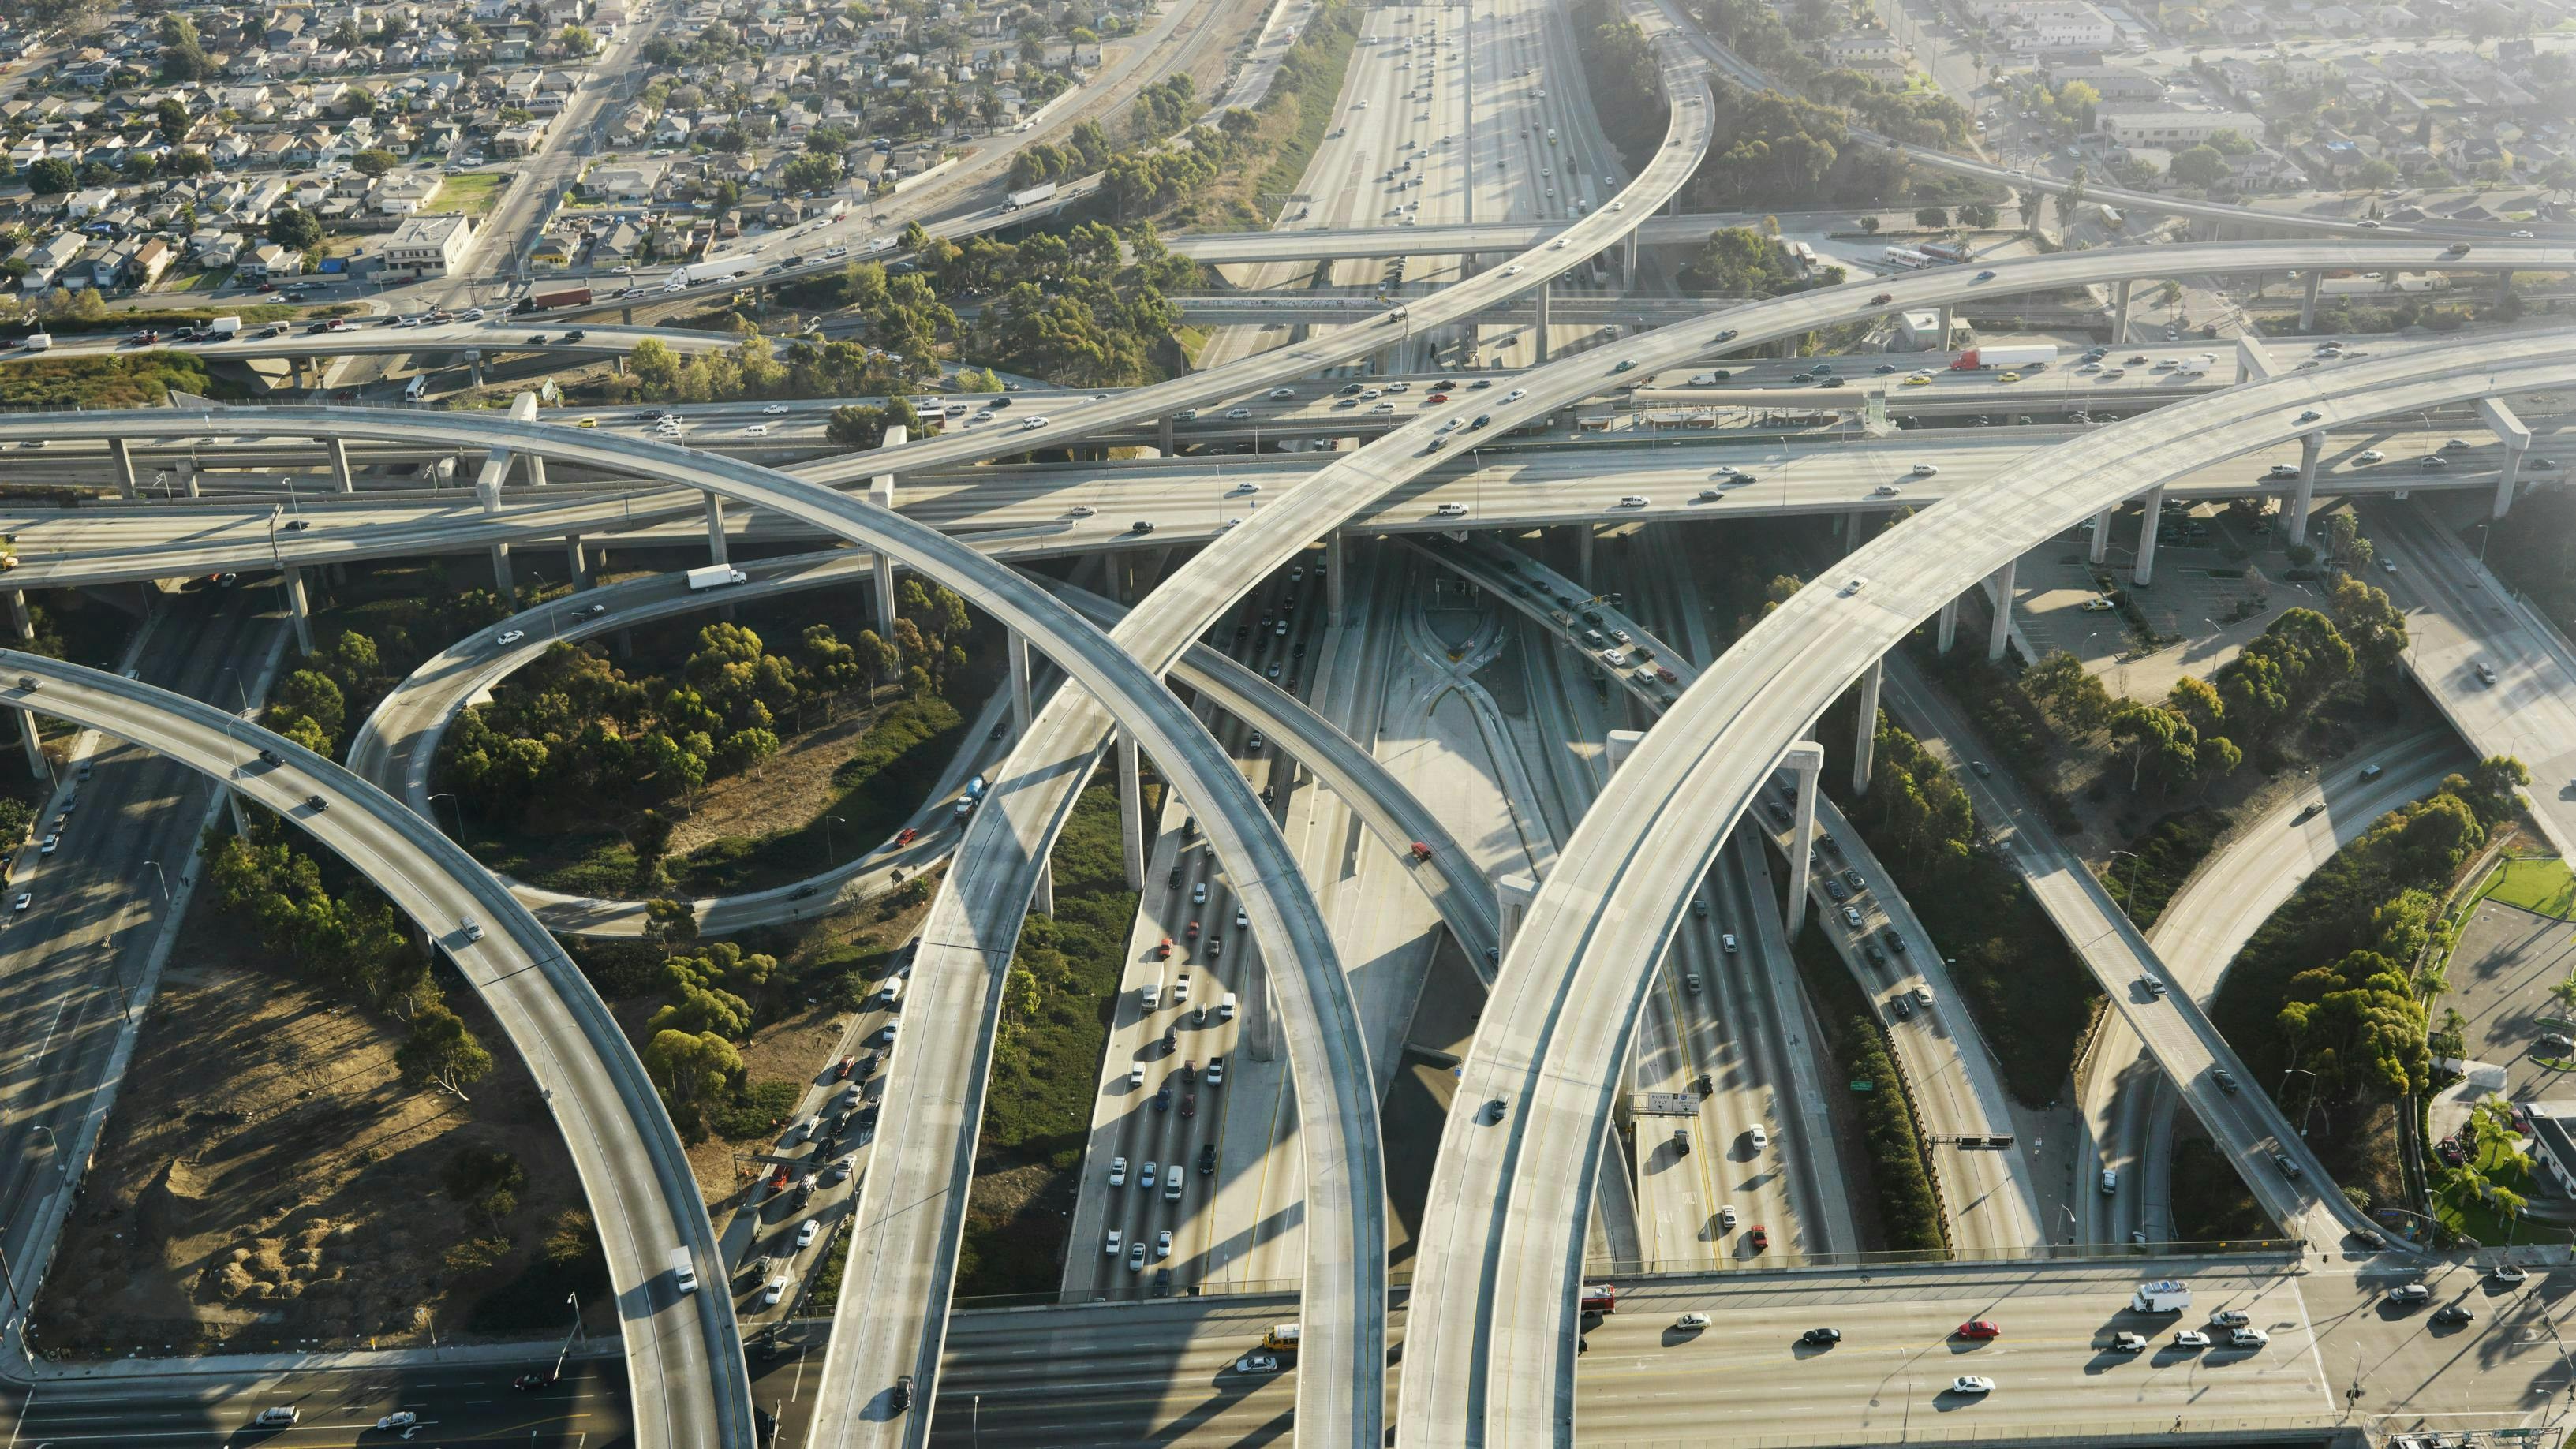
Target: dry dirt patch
782	793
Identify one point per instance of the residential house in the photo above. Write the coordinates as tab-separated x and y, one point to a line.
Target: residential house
270	260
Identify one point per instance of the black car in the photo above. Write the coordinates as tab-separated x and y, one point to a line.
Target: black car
271	757
2452	1313
318	803
298	525
1163	1099
899	1398
541	1379
1821	1335
1207	1159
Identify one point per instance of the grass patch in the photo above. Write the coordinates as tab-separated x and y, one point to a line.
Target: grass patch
1311	78
2032	999
1046	1062
582	863
2480	1220
1894	1186
2540	884
876	790
474	195
2162	859
823	1299
142	380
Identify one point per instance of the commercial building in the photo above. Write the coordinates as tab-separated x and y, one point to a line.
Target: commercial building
428	246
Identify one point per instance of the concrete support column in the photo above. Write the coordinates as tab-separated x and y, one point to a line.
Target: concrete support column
501	574
1163	435
1999	633
19	618
715	530
577	560
1131	810
120	459
881	488
1622	744
2303	495
341	473
1019	684
1514	893
1949	630
1628	258
2101	536
474	370
2120	311
1544	288
1944	324
1043	901
187	476
2144	572
241	822
2308	299
301	609
1807	759
536	471
1583	554
1335	565
2505	482
36	765
1866	746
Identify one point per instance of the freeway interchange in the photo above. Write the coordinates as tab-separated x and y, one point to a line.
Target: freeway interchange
1625	854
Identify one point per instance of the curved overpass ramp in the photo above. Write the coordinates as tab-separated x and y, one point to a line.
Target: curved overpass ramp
683	1352
1512	1193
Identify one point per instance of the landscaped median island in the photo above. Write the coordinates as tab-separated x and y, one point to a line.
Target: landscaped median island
1895	1205
2327	1003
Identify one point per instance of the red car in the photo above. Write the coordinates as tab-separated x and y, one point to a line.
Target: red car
842	1072
1164	951
1194	930
1437	397
1882	299
778	1179
1981	1328
1189	1104
1761	1237
1421	851
906	836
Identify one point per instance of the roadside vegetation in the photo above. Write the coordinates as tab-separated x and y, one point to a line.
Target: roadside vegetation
1738	261
579	771
2327	1002
1891	1180
135	380
2534	550
1062	987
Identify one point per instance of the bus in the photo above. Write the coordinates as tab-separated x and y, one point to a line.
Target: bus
417	388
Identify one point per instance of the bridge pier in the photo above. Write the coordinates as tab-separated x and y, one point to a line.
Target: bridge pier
2515	434
188	476
2120	310
1947	322
2304	494
19	618
1042	900
1333	566
2101	535
120	458
1628	258
1514	893
474	370
1865	745
715	530
577	561
2143	573
626	315
2505	481
881	487
1807	759
36	764
536	471
341	473
1544	289
501	574
1619	745
1999	633
1949	627
2504	288
1163	434
1131	810
2308	298
302	610
1019	645
1583	554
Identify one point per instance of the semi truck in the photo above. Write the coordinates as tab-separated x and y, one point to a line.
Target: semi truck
2022	355
563	297
2165	1295
1028	196
715	576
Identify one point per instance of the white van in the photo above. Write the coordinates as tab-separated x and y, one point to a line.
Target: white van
893	992
684	1270
1151	994
1225	1008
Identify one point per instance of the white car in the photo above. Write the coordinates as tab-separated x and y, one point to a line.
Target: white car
1726	1216
1118	1165
1513	271
1163	1243
1972	1384
807	1231
775	410
52	843
1691	1321
1282	394
1384	407
773	1291
1887	490
2190	1338
1926	470
1557	245
1445	510
1237	414
1516	394
2249	1338
398	1419
1031	425
1633	500
1257	1363
756	430
1450	426
26	899
2369	455
1145	1175
1117	1243
508	637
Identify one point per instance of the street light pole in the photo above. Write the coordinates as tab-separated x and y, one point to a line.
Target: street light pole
455	805
164	878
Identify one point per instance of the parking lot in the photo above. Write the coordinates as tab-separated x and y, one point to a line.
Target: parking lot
2215	595
2500	976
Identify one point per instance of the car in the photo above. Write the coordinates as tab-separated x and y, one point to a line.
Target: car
2009	377
1136	1257
508	637
1633	500
899	1398
1851	917
278	1416
2128	1343
1887	490
1238	414
2453	1313
1163	1243
398	1419
52	843
2225	1079
2230	1318
1118	1166
1692	1321
774	1290
807	1231
1972	1383
1117	1243
2248	1338
1031	425
1985	276
1926	470
2190	1338
1981	1328
1451	510
1516	394
2410	1294
1257	1363
24	900
2281	1160
1163	1098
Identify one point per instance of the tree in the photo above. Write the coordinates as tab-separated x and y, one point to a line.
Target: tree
2199	166
576	41
1869	225
170	115
2375	174
690	1066
296	228
1931	216
441	1053
374	161
1979	214
861	426
812	172
52	176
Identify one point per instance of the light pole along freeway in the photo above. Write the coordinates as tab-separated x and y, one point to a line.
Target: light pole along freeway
1513	1191
683	1352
